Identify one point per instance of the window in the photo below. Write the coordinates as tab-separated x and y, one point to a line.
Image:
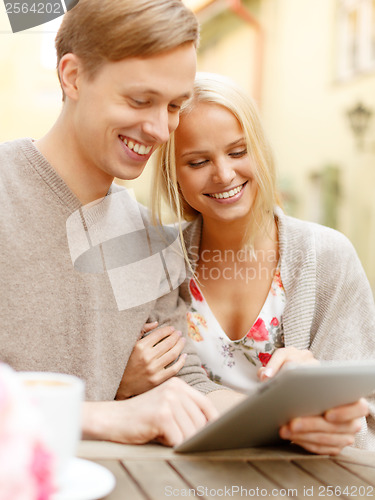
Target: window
356	44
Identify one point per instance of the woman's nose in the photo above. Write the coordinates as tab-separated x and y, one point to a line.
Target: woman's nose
223	172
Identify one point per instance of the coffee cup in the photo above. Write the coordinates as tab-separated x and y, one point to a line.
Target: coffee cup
58	399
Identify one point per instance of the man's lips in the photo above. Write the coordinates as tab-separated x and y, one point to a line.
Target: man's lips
136	147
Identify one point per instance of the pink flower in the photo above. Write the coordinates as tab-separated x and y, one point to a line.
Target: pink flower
258	331
25	463
41	470
195	291
264	357
274	322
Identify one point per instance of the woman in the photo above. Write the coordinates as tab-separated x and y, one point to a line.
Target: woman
267	288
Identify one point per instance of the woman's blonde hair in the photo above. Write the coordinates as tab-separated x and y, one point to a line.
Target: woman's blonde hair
219	90
98	31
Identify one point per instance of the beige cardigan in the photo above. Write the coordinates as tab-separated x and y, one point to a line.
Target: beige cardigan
330	307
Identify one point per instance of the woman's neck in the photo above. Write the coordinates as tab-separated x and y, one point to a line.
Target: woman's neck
234	235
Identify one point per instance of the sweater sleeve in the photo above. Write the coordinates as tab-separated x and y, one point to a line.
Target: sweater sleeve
171	310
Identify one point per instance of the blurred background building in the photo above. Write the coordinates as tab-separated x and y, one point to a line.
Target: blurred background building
309	64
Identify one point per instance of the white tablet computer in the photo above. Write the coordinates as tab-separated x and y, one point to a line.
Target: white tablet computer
298	390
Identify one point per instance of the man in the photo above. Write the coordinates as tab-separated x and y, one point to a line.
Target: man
125	69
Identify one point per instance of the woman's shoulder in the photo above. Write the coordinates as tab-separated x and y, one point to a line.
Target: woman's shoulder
304	233
322	251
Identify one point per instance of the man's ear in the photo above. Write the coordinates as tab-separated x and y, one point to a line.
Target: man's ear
70	70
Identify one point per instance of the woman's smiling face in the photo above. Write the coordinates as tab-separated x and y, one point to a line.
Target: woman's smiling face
214	170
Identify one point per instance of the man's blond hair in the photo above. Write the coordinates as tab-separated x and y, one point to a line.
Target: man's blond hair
100	31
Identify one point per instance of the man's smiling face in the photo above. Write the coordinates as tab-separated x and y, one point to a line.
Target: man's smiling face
128	109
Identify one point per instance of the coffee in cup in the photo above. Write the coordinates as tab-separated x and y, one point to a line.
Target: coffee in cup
58	399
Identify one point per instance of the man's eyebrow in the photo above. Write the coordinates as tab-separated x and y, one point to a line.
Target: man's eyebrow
187	95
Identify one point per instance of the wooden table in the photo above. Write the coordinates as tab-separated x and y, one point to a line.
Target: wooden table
153	472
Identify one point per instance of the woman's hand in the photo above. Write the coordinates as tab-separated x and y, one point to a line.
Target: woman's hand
283	356
327	434
148	363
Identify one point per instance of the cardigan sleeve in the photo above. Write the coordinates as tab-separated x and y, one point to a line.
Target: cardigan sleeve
343	326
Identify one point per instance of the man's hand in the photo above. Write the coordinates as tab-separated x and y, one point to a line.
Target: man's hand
330	433
147	366
169	413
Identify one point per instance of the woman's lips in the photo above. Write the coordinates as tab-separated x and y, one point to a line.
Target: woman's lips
228	196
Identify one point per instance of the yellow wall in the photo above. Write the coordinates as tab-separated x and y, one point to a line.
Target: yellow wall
305	110
29	93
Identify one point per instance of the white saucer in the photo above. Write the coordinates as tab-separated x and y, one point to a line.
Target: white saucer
85	480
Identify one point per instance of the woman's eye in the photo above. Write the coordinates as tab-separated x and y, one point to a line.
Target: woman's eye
197	164
238	154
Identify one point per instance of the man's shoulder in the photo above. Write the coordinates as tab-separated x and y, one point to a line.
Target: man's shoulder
11	151
8	147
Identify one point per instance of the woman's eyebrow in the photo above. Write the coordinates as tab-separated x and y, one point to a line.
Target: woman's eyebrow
193	153
238	141
201	152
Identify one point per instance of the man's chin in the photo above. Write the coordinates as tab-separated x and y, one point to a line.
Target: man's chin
130	173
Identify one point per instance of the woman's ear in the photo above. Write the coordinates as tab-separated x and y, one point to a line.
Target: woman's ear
70	69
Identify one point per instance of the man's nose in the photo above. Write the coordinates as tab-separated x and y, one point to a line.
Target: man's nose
160	125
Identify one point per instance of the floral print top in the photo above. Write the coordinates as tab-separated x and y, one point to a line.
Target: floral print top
234	363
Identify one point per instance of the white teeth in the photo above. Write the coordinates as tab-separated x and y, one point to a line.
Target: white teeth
141	149
227	194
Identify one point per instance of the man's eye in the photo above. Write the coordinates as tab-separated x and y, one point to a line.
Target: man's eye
238	154
139	102
174	108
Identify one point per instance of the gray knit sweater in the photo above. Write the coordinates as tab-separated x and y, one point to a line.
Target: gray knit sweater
53	317
329	304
